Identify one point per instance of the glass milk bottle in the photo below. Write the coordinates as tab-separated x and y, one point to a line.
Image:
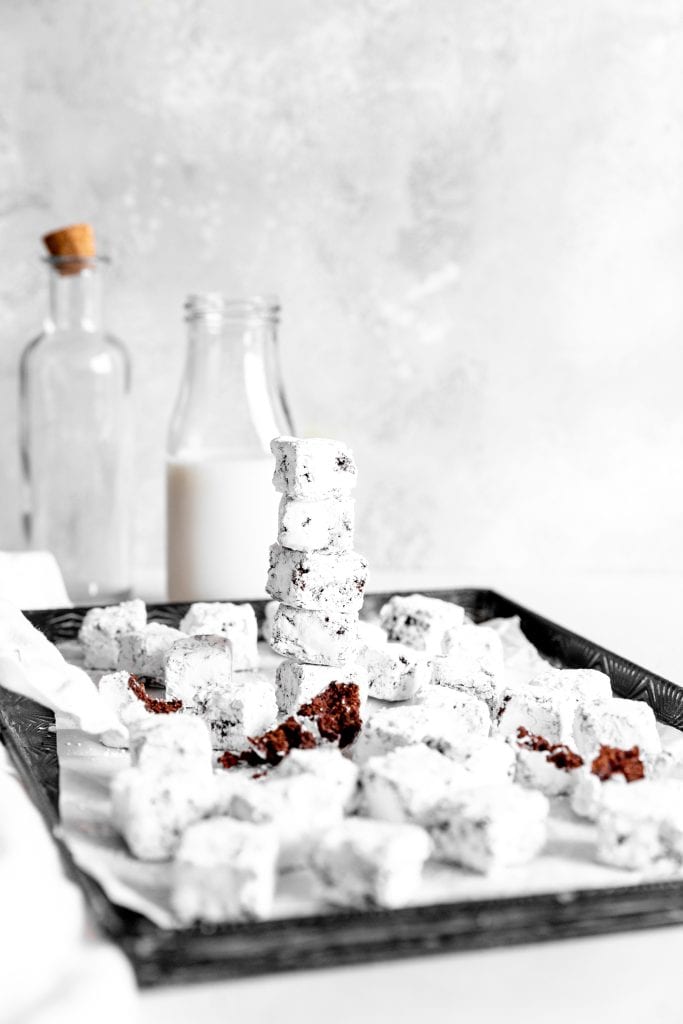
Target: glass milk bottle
75	422
221	506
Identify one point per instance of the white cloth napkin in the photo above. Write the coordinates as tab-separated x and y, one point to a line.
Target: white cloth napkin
32	666
51	969
32	579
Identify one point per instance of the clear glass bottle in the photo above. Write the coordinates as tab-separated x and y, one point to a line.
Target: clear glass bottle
221	505
75	430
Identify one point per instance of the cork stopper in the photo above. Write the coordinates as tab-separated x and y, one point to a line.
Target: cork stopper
72	247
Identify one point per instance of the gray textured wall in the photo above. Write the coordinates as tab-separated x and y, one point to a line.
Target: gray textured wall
473	213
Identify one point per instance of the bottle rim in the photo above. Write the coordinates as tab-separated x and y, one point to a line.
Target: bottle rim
214	305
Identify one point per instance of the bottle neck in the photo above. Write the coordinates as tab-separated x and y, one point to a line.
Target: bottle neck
75	297
231	401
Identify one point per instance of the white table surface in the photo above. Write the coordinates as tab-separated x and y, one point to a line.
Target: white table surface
637	616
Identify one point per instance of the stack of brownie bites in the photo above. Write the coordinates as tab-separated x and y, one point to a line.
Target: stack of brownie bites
314	572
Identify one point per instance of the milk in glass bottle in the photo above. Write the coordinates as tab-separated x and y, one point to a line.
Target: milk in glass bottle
220	502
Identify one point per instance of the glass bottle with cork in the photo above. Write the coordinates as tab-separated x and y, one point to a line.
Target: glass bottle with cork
220	502
75	384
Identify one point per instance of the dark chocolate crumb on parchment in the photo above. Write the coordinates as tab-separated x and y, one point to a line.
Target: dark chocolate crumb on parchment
153	704
614	761
559	754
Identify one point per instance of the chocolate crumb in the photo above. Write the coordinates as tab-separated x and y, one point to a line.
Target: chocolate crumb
272	746
153	704
614	761
559	754
336	712
275	744
229	760
529	741
565	758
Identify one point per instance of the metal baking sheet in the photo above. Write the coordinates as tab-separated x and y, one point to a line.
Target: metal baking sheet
343	937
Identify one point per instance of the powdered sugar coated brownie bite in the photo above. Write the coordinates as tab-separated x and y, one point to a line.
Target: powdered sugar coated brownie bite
316	638
151	809
419	621
329	765
595	780
479	644
489	827
404	785
315	525
469	675
589	793
395	672
488	759
616	723
641	824
544	712
442	729
172	743
320	580
298	807
296	683
101	628
473	662
586	684
143	652
314	467
365	863
196	666
224	870
237	622
245	707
